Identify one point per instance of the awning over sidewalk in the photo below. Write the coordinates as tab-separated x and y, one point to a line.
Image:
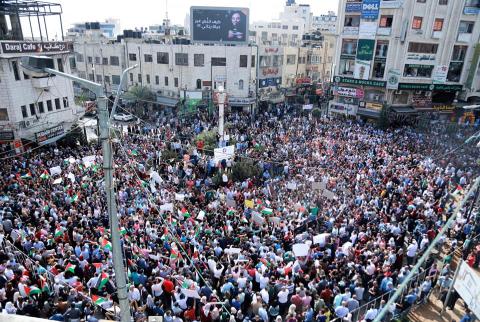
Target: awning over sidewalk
368	113
167	101
404	109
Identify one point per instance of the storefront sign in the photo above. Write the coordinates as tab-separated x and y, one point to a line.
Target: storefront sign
350	30
6	136
270	82
370	9
420	57
365	49
305	80
349	91
368	30
362	69
354	81
50	133
471	10
373	106
416	86
440	74
391	4
447	87
393	78
18	47
241	100
443	107
353	7
270	71
346	109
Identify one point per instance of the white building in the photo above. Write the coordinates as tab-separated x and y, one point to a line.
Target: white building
325	23
39	110
110	28
170	70
412	55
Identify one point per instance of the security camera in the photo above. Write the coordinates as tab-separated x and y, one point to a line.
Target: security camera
35	66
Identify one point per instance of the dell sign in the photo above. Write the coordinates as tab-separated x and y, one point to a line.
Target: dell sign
370	9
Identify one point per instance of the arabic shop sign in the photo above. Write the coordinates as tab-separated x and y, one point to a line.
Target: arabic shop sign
429	87
17	47
355	81
365	49
50	133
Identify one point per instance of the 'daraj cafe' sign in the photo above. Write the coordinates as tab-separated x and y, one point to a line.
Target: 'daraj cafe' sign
19	47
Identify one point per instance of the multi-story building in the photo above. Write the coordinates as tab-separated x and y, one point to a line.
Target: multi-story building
33	110
169	70
325	23
110	28
413	55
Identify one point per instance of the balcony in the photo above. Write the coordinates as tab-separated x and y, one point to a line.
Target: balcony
384	31
464	37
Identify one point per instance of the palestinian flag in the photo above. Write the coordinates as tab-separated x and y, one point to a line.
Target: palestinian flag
97	265
231	212
185	213
267	211
45	175
102	281
101	230
70	268
44	285
174	254
134	152
123	231
32	290
27	175
98	300
74	198
58	232
106	244
95	167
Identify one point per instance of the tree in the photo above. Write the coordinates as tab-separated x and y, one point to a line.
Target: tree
209	139
245	169
141	95
316	113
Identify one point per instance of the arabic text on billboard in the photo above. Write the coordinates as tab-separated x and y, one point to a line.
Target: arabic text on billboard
50	133
370	9
217	24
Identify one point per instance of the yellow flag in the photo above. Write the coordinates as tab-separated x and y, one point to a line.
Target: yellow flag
249	203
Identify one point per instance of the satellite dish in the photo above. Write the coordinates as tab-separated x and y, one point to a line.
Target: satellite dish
34	66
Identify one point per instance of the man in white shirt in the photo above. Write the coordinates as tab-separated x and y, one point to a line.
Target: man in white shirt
412	252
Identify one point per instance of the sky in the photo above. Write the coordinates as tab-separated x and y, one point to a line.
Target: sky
142	13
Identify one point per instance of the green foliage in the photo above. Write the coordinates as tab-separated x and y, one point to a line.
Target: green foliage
245	169
209	139
168	155
316	113
136	93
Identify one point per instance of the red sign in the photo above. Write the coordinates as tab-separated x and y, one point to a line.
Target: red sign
270	71
305	80
271	50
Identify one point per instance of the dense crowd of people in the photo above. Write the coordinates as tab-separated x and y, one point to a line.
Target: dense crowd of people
334	215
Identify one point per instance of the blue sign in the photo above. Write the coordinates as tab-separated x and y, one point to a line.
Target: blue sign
353	7
471	11
370	9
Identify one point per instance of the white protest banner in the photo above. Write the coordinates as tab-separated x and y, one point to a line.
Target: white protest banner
152	187
231	251
224	153
88	160
292	186
300	250
257	218
179	197
71	176
275	220
231	203
308	107
328	194
58	181
55	170
320	239
156	177
319	185
167	207
191	293
201	215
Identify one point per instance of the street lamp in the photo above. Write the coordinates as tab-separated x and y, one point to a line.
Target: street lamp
41	66
221	113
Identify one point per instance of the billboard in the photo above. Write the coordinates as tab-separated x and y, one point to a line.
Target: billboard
219	24
466	285
370	9
20	47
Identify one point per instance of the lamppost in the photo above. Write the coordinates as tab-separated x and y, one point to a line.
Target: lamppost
221	114
43	66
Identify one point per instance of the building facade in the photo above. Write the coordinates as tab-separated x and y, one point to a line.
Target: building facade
412	55
325	23
34	110
110	28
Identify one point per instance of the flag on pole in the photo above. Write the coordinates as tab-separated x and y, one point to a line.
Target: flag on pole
185	213
70	268
102	281
32	290
45	175
123	231
98	300
58	232
97	265
27	175
44	285
267	211
106	244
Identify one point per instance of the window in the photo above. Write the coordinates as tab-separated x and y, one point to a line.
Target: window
32	109
264	35
181	59
265	61
253	61
3	114
89	59
106	79
41	109
140	78
65	102
97	60
400	99
148	58
16	74
99	78
285	27
459	53
157	80
466	27
414	70
114	61
175	82
198	60
60	65
219	61
472	3
443	2
131	77
295	27
116	79
381	49
91	77
417	23
240	84
49	106
438	24
454	71
347	66
199	84
166	80
349	47
422	48
24	111
291	59
162	58
386	21
243	60
57	104
421	1
148	78
132	57
79	58
105	61
352	21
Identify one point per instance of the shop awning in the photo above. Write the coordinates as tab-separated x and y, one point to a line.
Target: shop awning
404	109
167	101
368	113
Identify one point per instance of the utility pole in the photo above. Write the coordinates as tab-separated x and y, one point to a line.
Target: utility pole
38	65
221	114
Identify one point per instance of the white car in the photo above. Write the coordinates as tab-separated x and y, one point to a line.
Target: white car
123	117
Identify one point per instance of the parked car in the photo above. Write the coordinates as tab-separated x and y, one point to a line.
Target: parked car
123	117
